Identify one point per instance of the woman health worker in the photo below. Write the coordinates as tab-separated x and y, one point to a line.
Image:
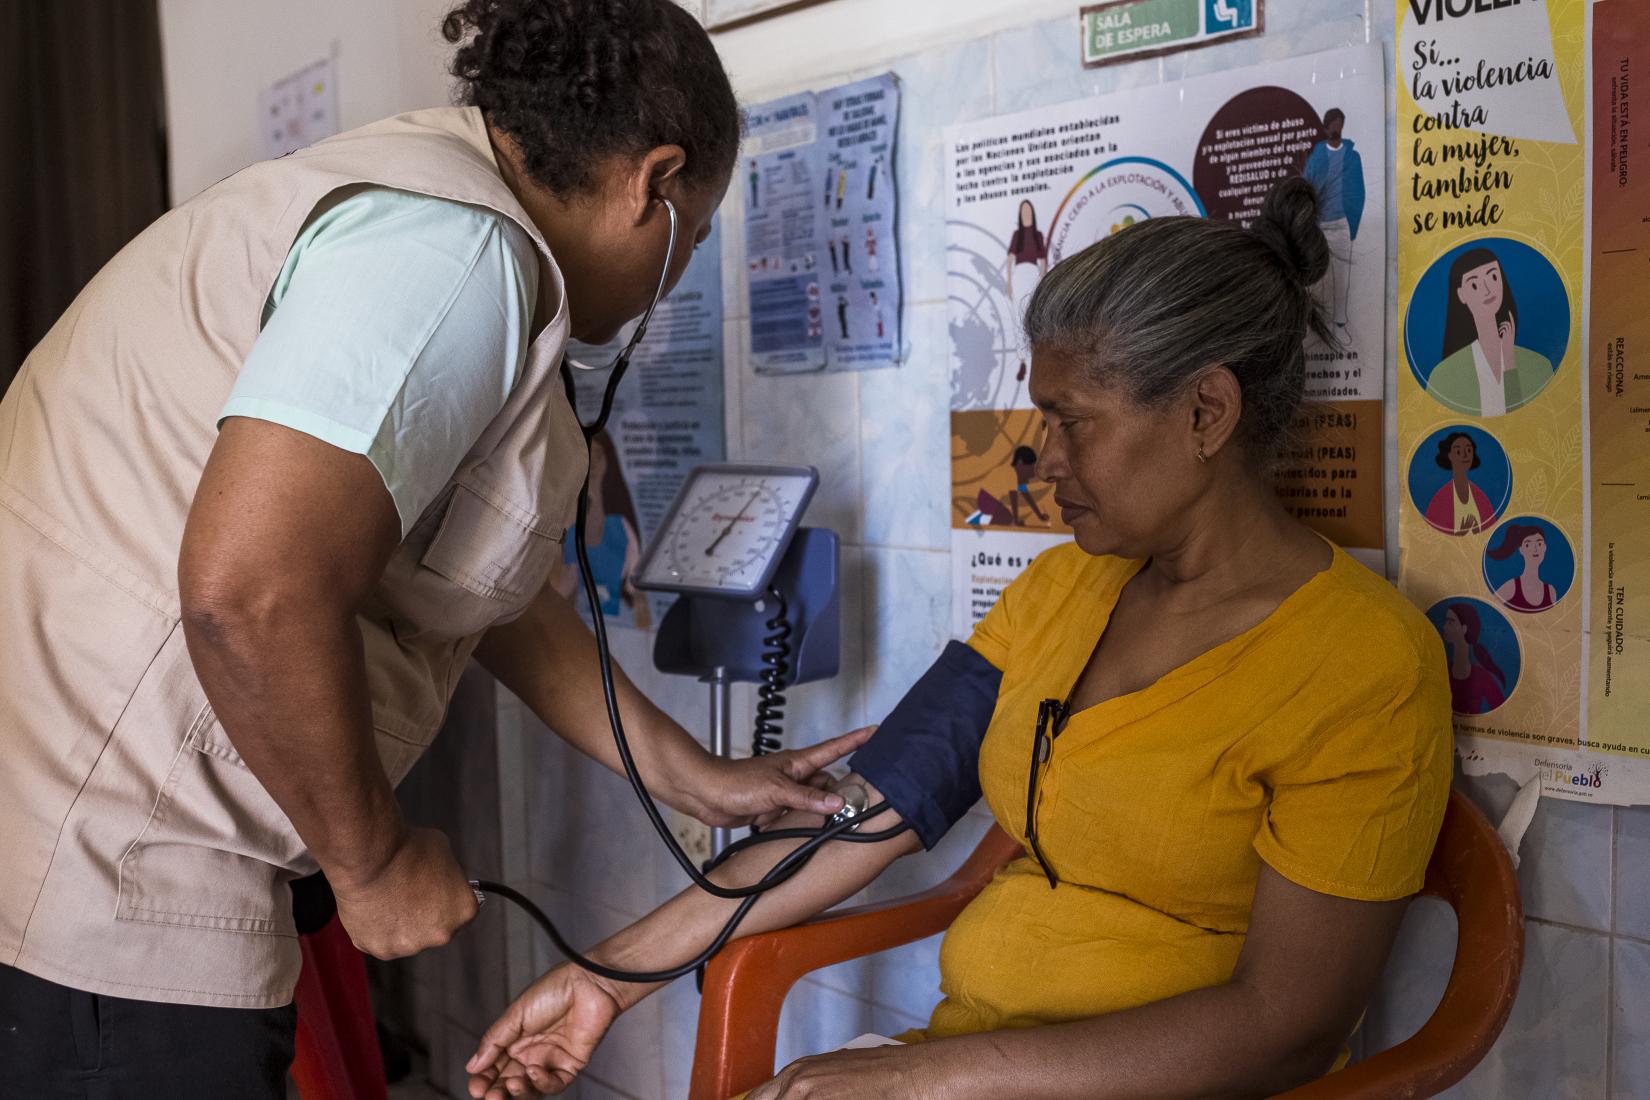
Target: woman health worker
292	457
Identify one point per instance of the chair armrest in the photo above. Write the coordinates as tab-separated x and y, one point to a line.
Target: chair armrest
748	980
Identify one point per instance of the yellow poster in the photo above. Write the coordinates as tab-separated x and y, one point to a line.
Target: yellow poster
1493	379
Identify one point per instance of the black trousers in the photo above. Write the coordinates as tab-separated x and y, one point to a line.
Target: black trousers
58	1043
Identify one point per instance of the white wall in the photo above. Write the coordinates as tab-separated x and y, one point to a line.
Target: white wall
846	35
220	54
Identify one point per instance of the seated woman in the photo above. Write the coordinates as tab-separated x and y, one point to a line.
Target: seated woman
1224	744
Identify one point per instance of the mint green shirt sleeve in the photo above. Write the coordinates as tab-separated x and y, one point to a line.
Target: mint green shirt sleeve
396	330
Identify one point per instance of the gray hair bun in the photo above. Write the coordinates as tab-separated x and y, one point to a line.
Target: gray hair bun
1288	224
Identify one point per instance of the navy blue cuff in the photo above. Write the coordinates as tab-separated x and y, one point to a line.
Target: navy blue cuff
925	757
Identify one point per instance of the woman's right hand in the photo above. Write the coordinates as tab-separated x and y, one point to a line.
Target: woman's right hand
415	900
546	1037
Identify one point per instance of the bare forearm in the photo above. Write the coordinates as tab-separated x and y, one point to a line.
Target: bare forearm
685	925
289	688
548	658
1220	1043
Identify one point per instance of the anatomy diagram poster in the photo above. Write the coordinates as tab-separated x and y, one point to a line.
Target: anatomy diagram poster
667	418
1026	191
1524	408
821	229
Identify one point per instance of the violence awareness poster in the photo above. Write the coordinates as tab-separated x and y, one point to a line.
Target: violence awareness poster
1523	187
1025	191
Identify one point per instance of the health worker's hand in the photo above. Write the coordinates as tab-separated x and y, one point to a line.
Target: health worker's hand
760	788
417	899
546	1037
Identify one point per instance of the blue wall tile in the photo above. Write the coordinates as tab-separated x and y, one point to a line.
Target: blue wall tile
809	419
907	621
906	441
1565	861
1630	1024
939	88
1039	65
1565	873
1633	871
1554	1043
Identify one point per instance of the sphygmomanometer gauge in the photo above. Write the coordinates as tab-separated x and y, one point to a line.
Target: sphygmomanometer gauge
727	529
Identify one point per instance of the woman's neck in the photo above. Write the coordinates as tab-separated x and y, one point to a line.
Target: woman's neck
1237	538
1462	485
1532	574
1460	662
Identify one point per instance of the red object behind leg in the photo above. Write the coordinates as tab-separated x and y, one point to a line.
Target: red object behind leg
337	1056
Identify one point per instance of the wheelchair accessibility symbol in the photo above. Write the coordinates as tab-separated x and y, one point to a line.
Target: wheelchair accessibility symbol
1228	15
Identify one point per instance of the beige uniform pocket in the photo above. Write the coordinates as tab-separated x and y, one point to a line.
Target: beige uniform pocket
216	851
496	559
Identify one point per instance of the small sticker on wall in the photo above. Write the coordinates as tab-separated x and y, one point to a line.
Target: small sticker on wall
299	109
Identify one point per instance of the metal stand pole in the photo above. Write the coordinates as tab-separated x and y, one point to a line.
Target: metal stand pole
721	741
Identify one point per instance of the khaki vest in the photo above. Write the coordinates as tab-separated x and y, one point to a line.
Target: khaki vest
138	856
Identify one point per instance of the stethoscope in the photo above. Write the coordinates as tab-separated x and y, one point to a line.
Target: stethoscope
841	827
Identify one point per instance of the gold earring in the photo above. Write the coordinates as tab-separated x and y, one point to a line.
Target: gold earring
1201	457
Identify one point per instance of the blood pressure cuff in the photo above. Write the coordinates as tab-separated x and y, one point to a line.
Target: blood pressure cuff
925	757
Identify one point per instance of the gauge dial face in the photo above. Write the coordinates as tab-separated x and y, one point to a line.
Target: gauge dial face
727	530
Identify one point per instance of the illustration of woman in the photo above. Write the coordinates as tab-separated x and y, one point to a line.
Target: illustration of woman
1527	591
610	539
1459	507
1476	684
1483	370
1027	247
993	510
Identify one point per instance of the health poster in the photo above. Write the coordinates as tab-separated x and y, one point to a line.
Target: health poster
667	418
783	172
822	229
1497	377
862	297
1027	190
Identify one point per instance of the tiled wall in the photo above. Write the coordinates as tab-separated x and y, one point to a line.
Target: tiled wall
1581	1028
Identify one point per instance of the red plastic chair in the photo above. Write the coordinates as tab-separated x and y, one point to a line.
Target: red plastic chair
337	1056
746	984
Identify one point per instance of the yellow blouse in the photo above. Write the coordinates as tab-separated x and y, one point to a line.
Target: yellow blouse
1319	742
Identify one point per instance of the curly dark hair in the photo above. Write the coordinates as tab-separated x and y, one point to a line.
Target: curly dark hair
577	81
1444	445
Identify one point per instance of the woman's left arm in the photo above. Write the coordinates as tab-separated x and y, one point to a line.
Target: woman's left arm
1301	983
548	658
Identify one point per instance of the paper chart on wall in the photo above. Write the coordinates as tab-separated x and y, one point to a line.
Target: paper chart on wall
1525	486
299	109
821	229
1027	190
667	418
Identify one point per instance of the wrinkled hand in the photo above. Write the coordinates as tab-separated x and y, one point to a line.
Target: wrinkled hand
896	1073
417	900
760	788
545	1038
